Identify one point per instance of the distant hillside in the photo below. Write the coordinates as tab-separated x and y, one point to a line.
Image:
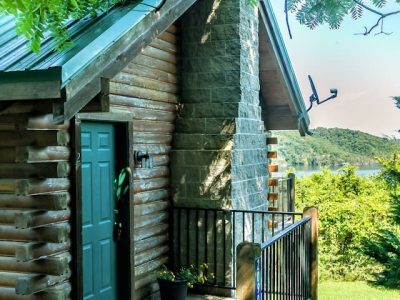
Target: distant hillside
330	147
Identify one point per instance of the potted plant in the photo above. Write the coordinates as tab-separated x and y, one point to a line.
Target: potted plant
174	286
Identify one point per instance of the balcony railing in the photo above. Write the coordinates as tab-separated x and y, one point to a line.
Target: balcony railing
286	263
211	236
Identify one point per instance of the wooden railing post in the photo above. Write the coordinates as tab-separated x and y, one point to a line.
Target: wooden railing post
248	255
292	191
313	213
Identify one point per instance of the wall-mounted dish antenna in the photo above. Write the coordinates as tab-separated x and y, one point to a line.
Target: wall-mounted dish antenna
315	98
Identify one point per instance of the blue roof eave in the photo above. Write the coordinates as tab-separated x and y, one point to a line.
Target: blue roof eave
65	65
100	44
286	66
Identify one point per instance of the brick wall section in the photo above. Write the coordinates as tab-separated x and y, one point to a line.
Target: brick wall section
219	157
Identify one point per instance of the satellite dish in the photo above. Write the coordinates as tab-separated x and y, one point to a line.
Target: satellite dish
315	98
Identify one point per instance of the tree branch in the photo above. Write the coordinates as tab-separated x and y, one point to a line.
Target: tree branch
368	8
381	15
287	19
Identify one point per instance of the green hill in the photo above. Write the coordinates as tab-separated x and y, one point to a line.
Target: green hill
330	147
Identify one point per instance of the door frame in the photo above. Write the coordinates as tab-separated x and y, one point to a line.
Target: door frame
76	201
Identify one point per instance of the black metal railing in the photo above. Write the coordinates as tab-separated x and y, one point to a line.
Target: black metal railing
210	236
286	263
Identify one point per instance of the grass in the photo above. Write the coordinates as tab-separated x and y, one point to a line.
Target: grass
355	291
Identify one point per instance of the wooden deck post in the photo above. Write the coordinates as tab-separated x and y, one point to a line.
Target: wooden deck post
313	213
292	192
247	253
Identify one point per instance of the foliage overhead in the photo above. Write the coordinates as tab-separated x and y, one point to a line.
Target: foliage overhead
331	147
313	13
35	17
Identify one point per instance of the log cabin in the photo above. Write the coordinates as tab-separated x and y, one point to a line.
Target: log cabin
182	92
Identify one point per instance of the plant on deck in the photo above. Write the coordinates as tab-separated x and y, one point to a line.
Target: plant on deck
191	275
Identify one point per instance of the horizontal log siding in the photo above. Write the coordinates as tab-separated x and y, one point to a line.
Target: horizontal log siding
148	88
34	203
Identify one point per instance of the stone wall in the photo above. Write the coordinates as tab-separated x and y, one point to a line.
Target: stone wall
219	150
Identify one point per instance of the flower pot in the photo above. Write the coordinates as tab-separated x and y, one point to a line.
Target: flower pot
173	290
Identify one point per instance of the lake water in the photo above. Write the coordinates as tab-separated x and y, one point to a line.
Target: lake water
302	171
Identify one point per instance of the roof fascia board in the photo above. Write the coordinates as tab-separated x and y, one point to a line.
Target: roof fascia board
89	53
30	85
285	65
86	84
30	90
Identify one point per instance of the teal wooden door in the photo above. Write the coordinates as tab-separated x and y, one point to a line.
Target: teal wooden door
98	203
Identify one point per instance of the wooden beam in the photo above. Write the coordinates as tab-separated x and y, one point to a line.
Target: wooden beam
123	89
57	292
151	73
143	233
273	168
272	154
13	122
152	219
155	63
45	122
101	102
8	248
150	184
29	284
312	212
53	265
41	170
151	138
32	251
272	140
8	279
273	196
272	224
150	196
34	154
165	46
54	201
160	54
27	187
35	218
144	103
273	122
153	126
157	172
30	90
144	82
139	113
151	242
150	208
273	181
45	154
25	107
53	234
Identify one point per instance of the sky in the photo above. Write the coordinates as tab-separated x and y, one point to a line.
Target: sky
364	69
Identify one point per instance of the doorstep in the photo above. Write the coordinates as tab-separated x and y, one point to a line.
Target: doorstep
206	297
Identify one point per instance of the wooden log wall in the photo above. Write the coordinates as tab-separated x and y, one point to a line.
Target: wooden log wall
34	203
148	89
273	183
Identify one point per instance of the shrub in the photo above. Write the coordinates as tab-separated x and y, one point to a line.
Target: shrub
351	208
384	247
